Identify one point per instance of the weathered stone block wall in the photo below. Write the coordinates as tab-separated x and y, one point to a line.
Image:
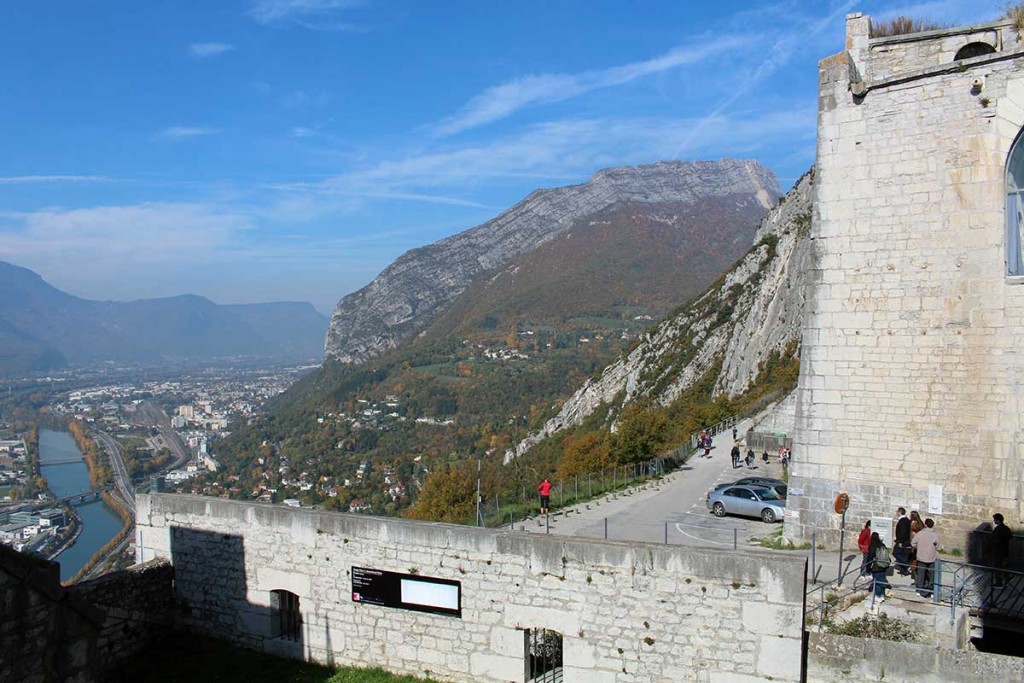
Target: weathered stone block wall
911	369
138	608
843	658
627	612
52	634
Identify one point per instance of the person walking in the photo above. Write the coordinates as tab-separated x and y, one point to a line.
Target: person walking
1001	535
765	457
735	456
734	433
880	561
750	458
926	544
864	545
901	544
545	496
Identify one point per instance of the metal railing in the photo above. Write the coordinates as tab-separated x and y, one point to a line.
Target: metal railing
985	590
579	488
715	430
590	486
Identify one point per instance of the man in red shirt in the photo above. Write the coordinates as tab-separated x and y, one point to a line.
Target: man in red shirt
545	495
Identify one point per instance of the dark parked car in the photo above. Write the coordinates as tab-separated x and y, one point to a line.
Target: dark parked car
748	501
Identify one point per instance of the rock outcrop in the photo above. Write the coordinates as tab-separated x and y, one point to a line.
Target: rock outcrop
408	294
755	309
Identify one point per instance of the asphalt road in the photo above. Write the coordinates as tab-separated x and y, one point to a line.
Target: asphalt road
672	510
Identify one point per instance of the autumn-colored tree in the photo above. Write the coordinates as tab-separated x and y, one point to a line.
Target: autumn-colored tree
642	432
588	452
447	496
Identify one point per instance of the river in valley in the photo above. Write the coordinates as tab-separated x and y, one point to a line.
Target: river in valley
99	522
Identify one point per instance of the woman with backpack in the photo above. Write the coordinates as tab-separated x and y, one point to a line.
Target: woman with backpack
880	562
864	545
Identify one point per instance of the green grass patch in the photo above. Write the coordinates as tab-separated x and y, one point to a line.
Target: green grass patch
185	658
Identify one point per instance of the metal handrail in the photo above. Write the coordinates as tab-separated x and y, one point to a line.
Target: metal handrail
714	430
968	585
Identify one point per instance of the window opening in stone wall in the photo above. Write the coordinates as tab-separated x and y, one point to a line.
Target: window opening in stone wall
544	656
973	50
287	620
1015	209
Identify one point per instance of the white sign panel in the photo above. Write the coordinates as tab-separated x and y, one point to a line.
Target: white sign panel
430	594
883	525
935	499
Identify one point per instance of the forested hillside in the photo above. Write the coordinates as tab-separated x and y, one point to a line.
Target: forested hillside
496	364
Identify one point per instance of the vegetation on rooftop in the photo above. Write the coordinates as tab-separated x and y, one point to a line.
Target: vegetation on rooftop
903	25
1015	13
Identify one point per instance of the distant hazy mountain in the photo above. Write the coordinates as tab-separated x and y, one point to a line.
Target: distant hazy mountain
42	327
618	222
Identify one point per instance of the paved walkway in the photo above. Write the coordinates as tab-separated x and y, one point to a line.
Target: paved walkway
672	508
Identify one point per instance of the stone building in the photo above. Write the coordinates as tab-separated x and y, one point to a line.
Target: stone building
911	385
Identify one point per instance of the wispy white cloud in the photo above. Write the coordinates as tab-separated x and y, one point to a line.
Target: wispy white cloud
156	232
186	131
302	132
560	152
206	50
781	51
31	179
501	101
320	15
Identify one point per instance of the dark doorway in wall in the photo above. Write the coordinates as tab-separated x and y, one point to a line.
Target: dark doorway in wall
544	656
973	50
287	624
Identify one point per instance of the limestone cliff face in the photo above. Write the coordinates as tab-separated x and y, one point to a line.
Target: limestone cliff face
421	283
755	309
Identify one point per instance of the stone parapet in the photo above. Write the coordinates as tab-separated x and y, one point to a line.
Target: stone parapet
625	611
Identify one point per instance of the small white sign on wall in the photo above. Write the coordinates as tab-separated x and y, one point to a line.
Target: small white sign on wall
883	525
935	499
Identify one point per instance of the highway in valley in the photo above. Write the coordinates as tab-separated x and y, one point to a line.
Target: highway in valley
122	480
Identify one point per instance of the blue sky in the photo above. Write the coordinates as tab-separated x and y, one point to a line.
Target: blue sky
265	150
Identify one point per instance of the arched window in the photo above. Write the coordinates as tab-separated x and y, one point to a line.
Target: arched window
287	623
1015	209
973	50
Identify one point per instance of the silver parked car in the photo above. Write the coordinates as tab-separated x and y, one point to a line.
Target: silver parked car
748	501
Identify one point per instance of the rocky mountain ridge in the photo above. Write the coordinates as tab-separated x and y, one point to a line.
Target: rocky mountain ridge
422	283
756	309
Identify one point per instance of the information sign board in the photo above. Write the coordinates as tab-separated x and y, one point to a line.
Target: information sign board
407	591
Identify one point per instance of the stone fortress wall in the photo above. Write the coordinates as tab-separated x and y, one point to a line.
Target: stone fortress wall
911	388
626	611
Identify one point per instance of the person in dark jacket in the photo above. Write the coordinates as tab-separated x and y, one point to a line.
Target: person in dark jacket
1001	535
879	566
901	544
735	456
